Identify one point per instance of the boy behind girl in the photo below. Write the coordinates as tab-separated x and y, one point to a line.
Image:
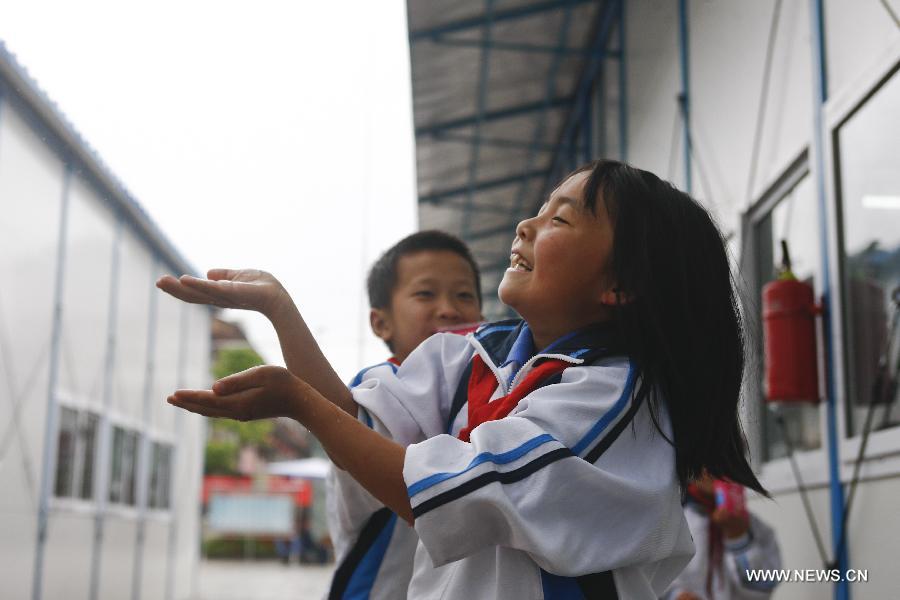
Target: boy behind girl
427	282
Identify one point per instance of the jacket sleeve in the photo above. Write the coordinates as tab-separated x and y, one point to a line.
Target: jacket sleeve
758	549
413	404
577	476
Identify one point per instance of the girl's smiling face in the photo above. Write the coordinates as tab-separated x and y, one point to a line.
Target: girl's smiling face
559	276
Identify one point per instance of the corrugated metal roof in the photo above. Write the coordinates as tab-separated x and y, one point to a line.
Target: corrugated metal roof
15	80
495	84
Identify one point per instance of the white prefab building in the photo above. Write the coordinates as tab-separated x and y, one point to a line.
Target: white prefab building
100	477
783	118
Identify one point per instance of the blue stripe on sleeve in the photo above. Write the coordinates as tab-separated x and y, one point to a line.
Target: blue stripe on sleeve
610	415
505	457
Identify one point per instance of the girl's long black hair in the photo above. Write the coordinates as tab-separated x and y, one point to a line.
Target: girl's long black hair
679	316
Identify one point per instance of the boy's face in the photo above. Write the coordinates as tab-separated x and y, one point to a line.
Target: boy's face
558	276
435	290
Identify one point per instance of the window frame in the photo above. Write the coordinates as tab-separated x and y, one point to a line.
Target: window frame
775	474
883	447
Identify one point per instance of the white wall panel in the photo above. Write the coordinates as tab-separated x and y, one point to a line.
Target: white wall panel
17	552
67	557
86	294
31	187
136	283
856	33
653	84
728	41
117	560
153	583
190	453
168	323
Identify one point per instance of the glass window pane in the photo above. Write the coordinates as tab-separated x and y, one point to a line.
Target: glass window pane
795	219
65	451
115	474
129	466
88	438
868	147
159	478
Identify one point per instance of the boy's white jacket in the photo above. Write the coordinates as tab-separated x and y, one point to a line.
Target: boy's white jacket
756	550
573	493
373	548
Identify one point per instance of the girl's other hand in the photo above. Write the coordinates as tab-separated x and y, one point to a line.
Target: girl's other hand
733	525
248	289
257	393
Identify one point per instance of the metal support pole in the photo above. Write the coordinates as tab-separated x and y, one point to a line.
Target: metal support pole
174	491
836	489
684	97
101	481
48	459
144	456
623	86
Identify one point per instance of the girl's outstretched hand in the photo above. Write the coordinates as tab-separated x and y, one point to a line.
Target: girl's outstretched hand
257	393
248	289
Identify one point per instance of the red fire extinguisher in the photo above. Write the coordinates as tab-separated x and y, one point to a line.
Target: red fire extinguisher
789	333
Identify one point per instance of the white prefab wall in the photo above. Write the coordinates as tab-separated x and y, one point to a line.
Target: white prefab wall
727	52
122	348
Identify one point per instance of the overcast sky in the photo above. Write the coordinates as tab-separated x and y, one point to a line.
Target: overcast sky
275	135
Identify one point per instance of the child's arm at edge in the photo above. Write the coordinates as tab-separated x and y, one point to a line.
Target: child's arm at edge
259	291
266	392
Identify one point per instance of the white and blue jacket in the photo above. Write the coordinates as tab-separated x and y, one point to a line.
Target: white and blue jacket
573	495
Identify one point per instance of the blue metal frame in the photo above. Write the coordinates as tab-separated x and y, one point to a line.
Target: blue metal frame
525	48
492	141
492	115
583	91
48	465
436	197
538	134
836	489
483	76
499	16
567	146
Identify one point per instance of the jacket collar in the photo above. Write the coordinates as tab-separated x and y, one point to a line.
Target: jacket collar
511	340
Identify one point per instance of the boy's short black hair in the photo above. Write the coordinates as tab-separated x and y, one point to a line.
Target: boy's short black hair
383	275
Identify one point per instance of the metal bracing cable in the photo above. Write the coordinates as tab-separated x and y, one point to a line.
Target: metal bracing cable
801	488
891	12
693	153
763	101
761	113
882	384
673	146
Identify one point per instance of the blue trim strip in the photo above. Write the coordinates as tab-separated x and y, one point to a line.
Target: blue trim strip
360	584
557	587
358	379
610	415
496	328
499	459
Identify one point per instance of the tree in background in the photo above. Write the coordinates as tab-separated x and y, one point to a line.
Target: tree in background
227	437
